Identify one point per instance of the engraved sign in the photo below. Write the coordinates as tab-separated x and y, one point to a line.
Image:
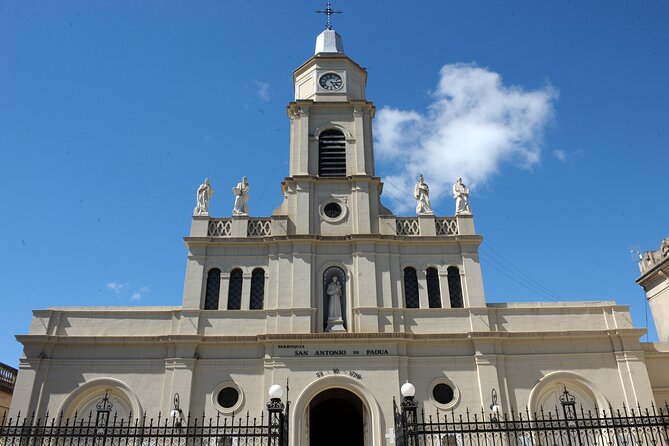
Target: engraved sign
317	351
336	371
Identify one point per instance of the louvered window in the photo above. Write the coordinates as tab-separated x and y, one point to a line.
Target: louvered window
411	288
257	289
213	288
235	289
433	291
332	154
455	287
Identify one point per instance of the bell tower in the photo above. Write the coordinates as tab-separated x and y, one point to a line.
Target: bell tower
331	188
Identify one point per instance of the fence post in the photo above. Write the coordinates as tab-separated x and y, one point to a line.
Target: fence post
568	403
409	414
275	418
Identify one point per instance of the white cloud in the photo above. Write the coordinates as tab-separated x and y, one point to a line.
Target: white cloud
474	125
119	288
561	155
263	90
116	287
137	295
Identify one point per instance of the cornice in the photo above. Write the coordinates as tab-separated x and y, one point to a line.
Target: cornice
325	337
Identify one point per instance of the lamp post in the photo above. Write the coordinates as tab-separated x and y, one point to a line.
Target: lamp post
276	416
176	413
494	407
409	417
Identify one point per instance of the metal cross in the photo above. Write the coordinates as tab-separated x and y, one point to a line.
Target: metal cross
329	11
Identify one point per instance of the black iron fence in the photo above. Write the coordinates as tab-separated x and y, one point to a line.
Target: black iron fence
561	426
102	428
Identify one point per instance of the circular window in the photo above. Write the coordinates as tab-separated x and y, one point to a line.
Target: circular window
228	397
442	393
332	210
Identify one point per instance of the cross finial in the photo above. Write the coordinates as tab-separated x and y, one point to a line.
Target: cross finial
329	11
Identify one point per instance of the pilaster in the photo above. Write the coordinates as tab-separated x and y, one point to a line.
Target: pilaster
486	371
180	369
299	138
444	289
246	291
422	288
194	282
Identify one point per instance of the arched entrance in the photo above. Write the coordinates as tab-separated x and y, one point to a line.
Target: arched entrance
336	417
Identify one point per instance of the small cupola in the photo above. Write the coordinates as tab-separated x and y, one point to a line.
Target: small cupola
329	42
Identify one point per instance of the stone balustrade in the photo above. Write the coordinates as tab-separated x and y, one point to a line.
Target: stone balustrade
258	227
7	376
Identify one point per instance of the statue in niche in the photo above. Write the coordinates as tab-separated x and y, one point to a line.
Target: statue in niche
421	192
335	320
241	191
461	195
204	194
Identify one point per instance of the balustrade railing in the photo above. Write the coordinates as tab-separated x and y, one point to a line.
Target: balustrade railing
446	225
408	226
259	227
220	227
7	375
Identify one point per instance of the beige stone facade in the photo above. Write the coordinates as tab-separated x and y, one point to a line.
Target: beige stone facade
255	306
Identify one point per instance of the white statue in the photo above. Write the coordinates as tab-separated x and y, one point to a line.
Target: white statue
461	195
335	321
204	194
241	191
422	194
664	247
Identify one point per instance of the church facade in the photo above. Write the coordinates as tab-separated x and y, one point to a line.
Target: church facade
340	298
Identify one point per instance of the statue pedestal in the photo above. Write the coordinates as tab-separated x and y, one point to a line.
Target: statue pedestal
335	325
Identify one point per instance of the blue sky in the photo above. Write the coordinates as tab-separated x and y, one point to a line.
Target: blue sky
112	113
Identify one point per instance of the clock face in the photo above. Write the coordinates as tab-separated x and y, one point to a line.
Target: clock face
331	81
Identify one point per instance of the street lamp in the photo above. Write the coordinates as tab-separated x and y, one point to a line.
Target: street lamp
176	413
409	403
276	416
494	407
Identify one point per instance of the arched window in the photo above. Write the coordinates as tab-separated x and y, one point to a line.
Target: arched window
433	291
411	288
257	289
454	287
332	154
213	288
235	289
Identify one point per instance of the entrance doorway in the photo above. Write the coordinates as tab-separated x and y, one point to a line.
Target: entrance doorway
336	418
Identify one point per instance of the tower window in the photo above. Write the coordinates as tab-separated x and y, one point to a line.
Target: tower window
235	289
213	288
257	289
455	287
411	288
433	291
332	154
